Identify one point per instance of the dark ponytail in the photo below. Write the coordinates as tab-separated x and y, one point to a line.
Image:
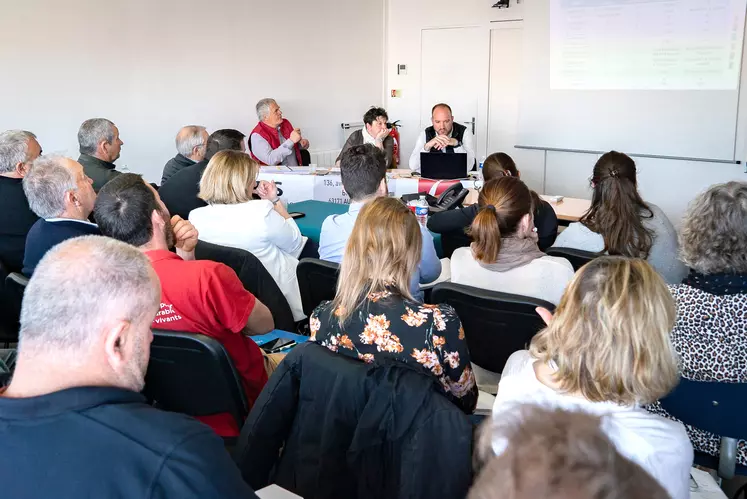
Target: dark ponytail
617	210
503	202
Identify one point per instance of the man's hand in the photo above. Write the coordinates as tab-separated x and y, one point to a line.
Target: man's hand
296	135
304	144
382	135
185	234
546	315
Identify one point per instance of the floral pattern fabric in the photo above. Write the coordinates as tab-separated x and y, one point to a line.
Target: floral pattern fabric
387	326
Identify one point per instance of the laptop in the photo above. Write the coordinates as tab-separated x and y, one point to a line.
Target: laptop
443	165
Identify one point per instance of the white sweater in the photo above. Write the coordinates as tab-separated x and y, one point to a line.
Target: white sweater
543	278
660	446
256	227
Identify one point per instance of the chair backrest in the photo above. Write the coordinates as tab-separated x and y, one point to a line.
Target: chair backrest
719	408
577	257
317	281
192	374
495	324
254	277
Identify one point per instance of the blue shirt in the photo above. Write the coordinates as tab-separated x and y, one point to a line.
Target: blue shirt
45	234
336	230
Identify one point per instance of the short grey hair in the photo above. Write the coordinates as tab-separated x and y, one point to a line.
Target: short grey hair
46	184
78	289
188	138
93	131
714	230
263	108
14	149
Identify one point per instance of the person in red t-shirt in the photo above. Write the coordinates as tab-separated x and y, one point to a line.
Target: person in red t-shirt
197	296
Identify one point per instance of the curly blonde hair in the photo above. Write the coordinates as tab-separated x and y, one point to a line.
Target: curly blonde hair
714	230
610	335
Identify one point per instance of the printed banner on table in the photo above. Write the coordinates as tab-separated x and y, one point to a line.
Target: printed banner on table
329	188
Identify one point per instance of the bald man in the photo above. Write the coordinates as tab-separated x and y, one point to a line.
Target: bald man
443	136
191	144
72	420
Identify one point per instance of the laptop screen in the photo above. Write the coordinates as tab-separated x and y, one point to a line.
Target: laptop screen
443	166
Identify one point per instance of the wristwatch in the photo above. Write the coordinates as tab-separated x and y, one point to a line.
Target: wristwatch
275	201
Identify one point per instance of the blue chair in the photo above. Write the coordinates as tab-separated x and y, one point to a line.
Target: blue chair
719	408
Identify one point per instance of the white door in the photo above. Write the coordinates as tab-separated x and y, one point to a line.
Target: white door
505	88
454	64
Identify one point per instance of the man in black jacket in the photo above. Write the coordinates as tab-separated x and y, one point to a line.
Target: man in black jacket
100	146
72	420
191	145
179	192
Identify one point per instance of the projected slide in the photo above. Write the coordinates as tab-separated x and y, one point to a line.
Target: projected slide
646	44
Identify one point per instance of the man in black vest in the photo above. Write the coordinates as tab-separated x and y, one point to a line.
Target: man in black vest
443	136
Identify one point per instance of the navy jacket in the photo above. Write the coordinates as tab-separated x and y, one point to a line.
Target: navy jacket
44	235
326	427
96	442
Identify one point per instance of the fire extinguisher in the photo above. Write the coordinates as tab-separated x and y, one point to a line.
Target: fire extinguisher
395	135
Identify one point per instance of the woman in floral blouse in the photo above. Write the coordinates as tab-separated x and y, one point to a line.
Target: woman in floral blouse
374	315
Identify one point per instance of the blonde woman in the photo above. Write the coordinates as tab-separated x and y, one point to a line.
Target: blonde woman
606	352
374	315
262	227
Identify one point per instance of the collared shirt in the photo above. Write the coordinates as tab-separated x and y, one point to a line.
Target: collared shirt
283	155
466	147
48	233
336	230
108	442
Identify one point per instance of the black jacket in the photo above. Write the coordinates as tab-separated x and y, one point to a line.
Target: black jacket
174	165
353	430
98	170
452	224
179	192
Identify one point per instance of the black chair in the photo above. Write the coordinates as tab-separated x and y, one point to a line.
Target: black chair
13	287
495	324
192	374
254	277
305	157
317	281
577	257
719	408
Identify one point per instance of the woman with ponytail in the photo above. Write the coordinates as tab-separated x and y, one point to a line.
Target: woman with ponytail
504	255
619	222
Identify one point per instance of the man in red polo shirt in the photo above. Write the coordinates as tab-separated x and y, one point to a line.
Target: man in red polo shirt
197	296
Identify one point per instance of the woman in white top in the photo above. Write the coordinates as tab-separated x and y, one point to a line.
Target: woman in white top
606	352
262	227
619	222
504	255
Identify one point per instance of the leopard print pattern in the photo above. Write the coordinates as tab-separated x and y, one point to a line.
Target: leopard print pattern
710	336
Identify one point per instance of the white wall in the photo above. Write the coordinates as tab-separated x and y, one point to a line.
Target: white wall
153	66
670	184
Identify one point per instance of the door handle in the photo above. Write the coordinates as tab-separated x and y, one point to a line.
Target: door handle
472	124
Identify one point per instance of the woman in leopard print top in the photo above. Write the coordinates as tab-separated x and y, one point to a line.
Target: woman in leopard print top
710	334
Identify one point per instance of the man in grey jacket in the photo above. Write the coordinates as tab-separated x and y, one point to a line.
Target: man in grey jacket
100	146
375	131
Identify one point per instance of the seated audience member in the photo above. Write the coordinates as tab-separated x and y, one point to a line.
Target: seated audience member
74	405
606	351
180	191
444	135
100	146
262	227
560	455
504	255
18	149
197	296
455	223
375	132
374	314
62	195
619	222
363	172
191	145
710	334
274	141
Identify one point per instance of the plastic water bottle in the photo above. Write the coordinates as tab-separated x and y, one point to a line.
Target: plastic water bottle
421	211
479	168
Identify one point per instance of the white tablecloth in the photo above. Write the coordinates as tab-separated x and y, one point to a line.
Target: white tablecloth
300	185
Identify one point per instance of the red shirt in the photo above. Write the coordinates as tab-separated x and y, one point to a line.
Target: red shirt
207	297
